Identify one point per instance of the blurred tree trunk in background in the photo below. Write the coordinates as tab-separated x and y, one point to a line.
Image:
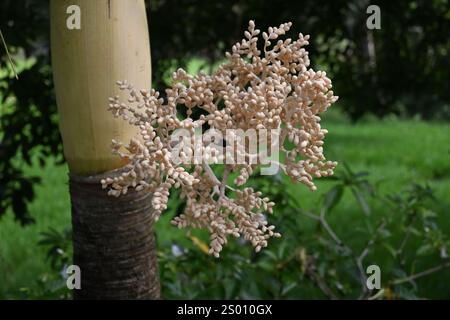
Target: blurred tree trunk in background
114	244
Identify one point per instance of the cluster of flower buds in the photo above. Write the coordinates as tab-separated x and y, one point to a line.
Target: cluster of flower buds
264	85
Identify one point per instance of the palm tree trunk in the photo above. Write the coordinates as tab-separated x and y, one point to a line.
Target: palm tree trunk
114	243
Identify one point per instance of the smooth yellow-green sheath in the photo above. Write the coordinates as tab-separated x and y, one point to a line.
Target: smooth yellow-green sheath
112	44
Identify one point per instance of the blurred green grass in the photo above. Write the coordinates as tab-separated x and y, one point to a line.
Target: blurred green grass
394	152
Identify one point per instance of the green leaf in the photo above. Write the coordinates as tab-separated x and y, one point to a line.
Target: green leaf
333	196
391	249
414	231
288	288
271	255
424	250
362	201
426	214
348	170
361	174
230	289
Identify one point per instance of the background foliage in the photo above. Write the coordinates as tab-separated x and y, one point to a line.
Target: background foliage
400	71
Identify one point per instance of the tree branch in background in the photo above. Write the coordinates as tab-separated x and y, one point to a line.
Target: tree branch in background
13	67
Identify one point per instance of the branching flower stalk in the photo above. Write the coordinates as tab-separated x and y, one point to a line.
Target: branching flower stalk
269	89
